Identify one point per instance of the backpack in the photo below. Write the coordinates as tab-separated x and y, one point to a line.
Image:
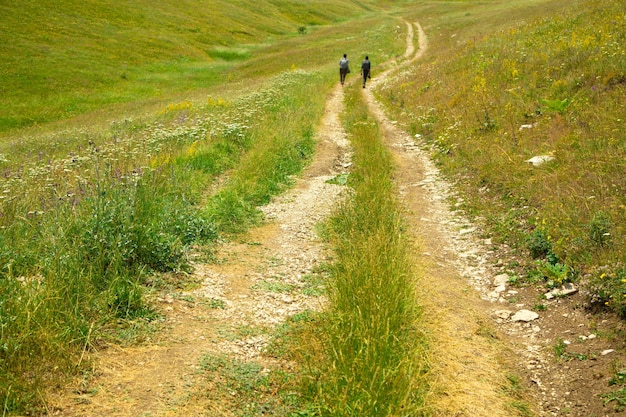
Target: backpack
343	63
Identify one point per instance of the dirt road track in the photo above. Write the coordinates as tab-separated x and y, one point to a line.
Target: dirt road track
469	375
161	377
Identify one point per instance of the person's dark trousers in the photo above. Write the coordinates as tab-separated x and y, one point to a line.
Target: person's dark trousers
342	75
365	76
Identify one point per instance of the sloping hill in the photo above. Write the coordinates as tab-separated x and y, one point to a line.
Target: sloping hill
59	59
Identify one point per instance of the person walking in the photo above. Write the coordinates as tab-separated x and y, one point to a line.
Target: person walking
365	69
344	68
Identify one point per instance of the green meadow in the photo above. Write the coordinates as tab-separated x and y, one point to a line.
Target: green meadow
504	82
133	135
65	59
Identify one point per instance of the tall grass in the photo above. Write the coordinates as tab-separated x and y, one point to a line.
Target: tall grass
283	141
90	213
373	354
76	256
59	60
548	80
69	271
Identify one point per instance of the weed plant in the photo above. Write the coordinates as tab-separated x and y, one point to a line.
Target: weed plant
537	79
247	387
373	354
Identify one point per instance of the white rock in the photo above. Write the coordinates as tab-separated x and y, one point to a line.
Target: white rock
525	315
606	352
540	160
500	288
493	295
501	279
566	289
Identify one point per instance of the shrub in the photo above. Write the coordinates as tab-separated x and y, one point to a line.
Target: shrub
538	244
608	287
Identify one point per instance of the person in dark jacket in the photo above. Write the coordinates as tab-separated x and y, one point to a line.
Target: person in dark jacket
365	69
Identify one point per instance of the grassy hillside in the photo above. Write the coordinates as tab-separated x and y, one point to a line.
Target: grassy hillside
58	60
95	207
506	81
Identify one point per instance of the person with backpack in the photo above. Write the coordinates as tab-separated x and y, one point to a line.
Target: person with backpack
365	69
344	68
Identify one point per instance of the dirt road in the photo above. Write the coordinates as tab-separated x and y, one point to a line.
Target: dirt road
269	275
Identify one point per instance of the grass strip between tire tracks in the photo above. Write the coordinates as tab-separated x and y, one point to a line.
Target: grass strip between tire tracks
374	354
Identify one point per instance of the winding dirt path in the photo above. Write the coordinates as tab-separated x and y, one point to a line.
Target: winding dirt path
161	377
265	277
258	282
468	374
479	349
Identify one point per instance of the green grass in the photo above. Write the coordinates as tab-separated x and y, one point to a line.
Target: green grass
62	60
248	388
503	82
370	360
94	208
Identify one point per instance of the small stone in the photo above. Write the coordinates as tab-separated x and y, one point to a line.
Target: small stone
502	314
606	352
501	279
566	289
592	336
493	295
525	315
540	160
